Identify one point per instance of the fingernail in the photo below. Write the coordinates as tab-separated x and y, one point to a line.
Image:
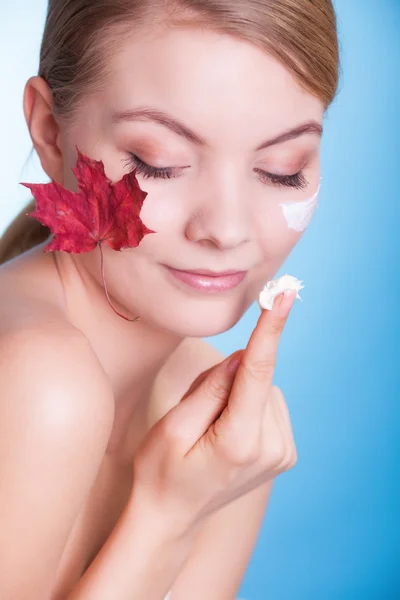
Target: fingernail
286	303
233	364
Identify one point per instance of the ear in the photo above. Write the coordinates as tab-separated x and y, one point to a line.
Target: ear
43	127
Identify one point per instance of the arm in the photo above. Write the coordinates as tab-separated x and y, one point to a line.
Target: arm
140	559
56	415
220	557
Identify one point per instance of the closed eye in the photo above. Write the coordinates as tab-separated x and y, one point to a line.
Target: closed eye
150	171
297	180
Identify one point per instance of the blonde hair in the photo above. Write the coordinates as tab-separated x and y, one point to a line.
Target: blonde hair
80	34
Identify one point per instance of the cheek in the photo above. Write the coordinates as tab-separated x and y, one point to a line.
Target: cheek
275	237
299	214
276	241
161	210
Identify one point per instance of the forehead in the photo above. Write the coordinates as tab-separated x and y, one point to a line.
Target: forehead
208	79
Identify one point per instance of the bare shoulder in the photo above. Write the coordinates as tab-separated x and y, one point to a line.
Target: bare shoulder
31	295
52	370
37	339
56	414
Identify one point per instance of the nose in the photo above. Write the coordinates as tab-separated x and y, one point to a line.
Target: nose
222	215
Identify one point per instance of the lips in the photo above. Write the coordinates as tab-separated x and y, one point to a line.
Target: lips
210	273
206	282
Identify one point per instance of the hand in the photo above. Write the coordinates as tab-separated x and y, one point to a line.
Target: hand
230	433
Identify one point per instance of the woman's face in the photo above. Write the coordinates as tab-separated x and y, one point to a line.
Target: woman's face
219	208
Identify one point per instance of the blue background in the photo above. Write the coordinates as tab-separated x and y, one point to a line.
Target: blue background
331	531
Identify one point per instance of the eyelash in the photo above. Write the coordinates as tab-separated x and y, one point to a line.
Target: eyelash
297	180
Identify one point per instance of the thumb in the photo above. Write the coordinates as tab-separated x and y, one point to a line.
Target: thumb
205	400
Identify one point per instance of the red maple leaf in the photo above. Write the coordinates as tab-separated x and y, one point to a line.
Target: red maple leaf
99	213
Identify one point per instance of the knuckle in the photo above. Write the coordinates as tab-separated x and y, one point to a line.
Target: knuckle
170	431
216	388
260	370
242	453
277	453
243	457
167	429
288	458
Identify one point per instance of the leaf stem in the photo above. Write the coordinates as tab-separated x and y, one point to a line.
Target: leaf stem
105	288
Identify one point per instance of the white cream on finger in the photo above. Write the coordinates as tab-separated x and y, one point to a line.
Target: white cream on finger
275	287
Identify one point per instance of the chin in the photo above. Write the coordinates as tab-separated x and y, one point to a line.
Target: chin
195	318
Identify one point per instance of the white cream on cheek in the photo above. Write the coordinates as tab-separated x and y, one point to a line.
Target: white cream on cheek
298	214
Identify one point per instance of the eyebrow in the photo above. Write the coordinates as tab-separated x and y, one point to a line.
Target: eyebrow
151	114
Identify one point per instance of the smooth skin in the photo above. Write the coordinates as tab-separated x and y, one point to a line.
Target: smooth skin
76	378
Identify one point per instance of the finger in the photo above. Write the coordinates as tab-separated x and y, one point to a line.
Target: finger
198	381
253	381
201	406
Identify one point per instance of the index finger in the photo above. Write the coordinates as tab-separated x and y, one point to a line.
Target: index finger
253	380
